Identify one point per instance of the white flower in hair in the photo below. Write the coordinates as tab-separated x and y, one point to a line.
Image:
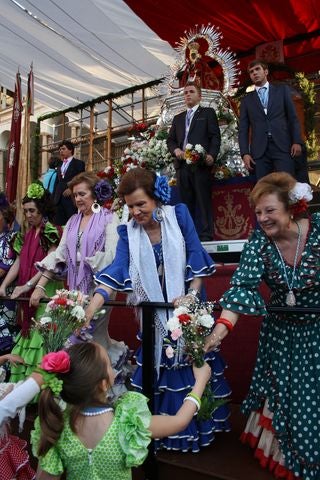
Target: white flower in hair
301	191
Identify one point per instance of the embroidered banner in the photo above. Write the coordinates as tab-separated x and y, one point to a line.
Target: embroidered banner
233	217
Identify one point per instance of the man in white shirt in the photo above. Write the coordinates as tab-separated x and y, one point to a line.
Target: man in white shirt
196	125
62	195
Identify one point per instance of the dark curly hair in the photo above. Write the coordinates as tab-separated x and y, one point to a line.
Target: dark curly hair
44	204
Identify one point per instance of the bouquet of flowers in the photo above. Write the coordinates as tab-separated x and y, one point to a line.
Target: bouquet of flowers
63	315
195	155
192	324
138	128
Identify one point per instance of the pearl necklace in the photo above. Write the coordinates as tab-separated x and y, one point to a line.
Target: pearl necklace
93	411
290	298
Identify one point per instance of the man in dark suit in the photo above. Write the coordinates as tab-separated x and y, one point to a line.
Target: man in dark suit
269	129
196	125
62	194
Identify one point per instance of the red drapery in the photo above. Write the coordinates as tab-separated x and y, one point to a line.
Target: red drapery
243	24
14	143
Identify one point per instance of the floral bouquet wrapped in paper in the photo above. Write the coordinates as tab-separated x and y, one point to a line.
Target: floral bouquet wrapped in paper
63	315
190	325
195	155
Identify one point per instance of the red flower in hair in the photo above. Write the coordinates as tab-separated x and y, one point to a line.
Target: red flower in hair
299	207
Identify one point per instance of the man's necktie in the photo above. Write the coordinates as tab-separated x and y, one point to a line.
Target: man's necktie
189	115
188	121
262	92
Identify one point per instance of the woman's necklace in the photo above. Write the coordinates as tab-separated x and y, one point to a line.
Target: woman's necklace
290	298
93	411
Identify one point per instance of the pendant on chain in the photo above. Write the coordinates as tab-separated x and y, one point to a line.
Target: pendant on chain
290	299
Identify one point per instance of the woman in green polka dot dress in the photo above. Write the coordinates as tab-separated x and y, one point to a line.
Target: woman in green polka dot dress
90	440
283	402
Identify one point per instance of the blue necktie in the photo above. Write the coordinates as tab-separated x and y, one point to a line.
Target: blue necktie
262	92
188	121
189	115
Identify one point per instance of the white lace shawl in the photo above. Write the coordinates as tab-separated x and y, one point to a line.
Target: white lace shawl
143	270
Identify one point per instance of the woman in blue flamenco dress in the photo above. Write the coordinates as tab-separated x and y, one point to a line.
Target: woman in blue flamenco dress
160	258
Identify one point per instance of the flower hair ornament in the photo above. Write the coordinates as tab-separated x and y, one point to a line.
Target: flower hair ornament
103	191
51	364
299	196
35	190
162	190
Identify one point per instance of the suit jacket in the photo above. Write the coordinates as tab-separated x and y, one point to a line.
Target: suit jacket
75	166
281	121
204	130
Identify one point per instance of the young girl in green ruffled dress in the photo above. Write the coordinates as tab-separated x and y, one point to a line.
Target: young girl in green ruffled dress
90	439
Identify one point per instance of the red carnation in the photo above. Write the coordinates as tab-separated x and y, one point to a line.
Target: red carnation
184	318
61	301
299	207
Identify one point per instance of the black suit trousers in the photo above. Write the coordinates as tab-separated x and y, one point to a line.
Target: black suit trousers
274	160
195	188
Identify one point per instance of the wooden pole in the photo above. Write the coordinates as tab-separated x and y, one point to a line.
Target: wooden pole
91	138
143	106
109	134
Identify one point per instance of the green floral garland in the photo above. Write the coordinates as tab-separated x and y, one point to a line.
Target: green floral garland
309	97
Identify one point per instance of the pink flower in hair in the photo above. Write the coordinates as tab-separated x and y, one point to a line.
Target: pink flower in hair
56	362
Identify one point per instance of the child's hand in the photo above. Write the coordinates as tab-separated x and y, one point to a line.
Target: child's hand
13	359
202	374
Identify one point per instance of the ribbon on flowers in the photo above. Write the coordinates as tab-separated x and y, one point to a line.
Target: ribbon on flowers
51	364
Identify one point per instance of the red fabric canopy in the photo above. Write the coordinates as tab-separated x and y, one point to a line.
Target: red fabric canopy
244	25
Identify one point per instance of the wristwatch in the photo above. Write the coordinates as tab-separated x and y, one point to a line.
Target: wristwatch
29	284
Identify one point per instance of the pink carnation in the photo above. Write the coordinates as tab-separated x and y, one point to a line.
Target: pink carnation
176	333
56	362
169	352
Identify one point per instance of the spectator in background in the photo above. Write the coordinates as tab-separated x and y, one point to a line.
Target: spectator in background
269	129
50	176
69	168
7	257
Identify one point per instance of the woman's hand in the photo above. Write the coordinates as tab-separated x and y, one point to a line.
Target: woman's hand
215	338
3	291
13	359
202	374
18	291
184	300
36	296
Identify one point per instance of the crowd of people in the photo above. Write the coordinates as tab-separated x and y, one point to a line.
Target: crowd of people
157	256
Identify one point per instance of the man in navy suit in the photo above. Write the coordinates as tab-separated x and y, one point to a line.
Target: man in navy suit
62	194
196	125
269	129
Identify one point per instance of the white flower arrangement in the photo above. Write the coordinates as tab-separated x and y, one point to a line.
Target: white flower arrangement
301	191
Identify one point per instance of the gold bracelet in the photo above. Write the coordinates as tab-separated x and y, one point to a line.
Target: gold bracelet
40	286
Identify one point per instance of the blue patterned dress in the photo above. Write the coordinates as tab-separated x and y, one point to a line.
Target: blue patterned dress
287	371
175	381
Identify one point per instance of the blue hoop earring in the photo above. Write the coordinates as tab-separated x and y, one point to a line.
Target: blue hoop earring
157	215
